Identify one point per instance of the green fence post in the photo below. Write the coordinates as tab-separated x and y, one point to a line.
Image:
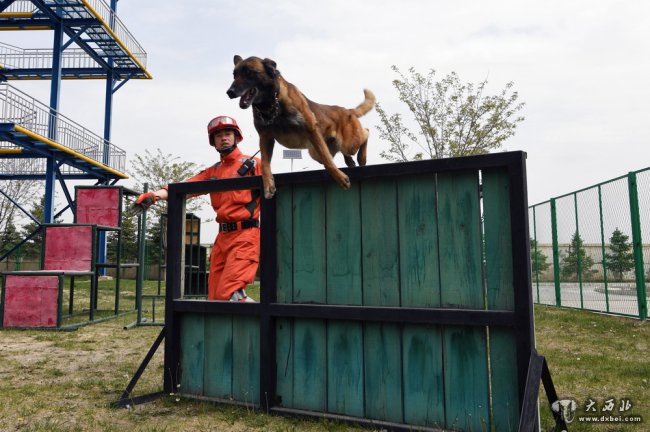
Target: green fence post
579	248
602	246
139	282
556	255
637	243
535	256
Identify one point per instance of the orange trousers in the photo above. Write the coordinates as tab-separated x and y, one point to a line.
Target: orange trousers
233	262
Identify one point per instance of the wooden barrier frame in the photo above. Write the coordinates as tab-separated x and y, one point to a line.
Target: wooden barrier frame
508	315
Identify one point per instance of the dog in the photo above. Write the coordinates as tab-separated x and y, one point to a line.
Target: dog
282	113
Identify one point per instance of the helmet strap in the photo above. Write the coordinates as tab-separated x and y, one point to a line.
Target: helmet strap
227	150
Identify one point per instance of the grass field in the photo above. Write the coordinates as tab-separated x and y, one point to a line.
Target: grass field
65	381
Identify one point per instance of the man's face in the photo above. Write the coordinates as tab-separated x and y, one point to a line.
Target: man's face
223	138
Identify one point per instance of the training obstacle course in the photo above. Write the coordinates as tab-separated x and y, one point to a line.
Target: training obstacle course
35	299
403	303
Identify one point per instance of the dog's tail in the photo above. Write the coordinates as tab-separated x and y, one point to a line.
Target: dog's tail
366	105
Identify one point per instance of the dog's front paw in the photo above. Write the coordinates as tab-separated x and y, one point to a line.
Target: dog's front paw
269	192
345	182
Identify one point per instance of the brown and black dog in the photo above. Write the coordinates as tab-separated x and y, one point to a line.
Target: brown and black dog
282	113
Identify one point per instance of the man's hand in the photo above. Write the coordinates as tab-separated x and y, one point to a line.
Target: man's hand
142	204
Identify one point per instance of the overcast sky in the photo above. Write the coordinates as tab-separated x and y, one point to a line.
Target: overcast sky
581	67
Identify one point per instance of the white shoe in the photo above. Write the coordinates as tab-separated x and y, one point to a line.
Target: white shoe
241	297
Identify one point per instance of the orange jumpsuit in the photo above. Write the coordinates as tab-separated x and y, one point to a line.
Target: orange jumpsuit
235	254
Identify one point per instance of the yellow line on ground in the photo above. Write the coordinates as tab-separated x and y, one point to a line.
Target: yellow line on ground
67	150
119	42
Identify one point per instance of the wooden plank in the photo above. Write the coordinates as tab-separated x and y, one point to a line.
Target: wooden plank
424	402
284	231
345	368
466	378
246	359
380	253
218	366
310	365
461	281
460	241
309	267
192	354
383	372
500	292
418	241
284	363
343	245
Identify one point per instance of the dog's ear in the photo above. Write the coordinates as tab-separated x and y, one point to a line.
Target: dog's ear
237	59
270	67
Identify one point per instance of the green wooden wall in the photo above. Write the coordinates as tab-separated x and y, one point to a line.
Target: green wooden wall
415	241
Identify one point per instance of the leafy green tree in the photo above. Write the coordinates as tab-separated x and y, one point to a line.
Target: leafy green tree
9	237
129	242
453	119
621	259
537	258
576	255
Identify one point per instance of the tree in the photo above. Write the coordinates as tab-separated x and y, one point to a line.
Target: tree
129	253
575	258
9	237
537	258
20	191
621	259
453	119
159	170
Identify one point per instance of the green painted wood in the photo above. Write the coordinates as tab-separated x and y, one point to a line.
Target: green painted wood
460	241
424	402
284	230
309	267
345	368
466	378
310	365
246	359
383	372
192	354
343	245
500	291
284	364
465	352
418	241
218	366
380	251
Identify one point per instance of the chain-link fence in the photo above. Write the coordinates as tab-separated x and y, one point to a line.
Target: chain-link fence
590	249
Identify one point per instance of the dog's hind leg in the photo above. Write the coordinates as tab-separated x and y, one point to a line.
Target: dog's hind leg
361	155
349	161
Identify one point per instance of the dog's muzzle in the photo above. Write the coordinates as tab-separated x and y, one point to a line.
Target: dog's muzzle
231	93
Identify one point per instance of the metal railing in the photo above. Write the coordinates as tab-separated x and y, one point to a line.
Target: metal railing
42	58
590	249
95	9
23	110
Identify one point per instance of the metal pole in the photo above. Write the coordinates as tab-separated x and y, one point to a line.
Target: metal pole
579	249
556	255
142	229
55	87
536	256
637	246
602	244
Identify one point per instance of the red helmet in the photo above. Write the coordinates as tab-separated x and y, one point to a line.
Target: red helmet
224	122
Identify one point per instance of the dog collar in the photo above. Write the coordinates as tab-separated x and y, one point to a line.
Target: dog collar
267	118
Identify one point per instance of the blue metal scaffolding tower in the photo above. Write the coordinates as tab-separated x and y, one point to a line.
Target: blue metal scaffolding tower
36	140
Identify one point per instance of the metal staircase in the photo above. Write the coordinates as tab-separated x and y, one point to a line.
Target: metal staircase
36	140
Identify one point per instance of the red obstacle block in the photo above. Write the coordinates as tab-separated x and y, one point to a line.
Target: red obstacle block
69	248
31	301
99	206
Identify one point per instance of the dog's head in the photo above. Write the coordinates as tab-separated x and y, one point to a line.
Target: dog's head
253	77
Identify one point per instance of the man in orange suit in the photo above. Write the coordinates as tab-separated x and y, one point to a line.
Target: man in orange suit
235	254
